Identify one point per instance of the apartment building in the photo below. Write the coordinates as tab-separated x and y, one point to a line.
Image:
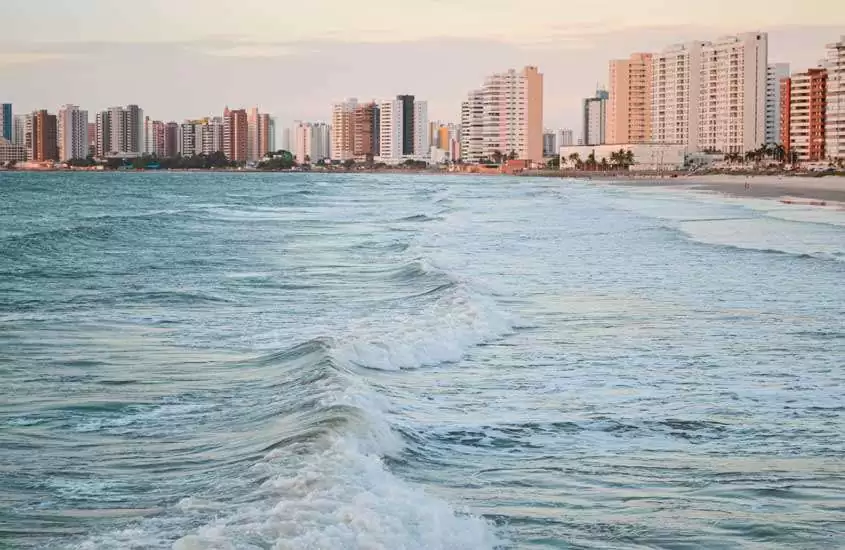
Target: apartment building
72	133
732	93
507	112
804	114
629	105
835	100
774	74
676	73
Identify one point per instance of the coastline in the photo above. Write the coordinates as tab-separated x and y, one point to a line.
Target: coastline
788	189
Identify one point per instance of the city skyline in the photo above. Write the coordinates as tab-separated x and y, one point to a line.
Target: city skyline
87	68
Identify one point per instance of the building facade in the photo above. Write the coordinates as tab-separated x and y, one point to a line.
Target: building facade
629	104
343	130
121	131
72	133
365	132
391	131
19	129
732	94
44	136
472	127
235	135
565	137
774	74
676	77
11	152
595	118
804	111
835	100
507	112
6	122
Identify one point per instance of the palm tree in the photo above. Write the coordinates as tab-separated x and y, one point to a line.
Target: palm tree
512	155
604	164
629	159
497	156
575	159
591	160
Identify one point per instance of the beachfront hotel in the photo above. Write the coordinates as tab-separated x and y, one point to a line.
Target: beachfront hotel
504	115
629	110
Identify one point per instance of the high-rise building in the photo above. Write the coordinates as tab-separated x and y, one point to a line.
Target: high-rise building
154	131
835	100
103	123
6	122
92	138
508	113
44	136
565	137
271	128
190	143
408	124
595	118
442	137
676	83
171	140
472	127
732	93
803	113
121	131
236	135
391	131
629	104
343	130
310	142
286	139
421	137
214	136
550	146
72	133
263	135
774	74
19	130
365	138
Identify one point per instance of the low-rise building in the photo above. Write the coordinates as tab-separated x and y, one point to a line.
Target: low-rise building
646	156
11	152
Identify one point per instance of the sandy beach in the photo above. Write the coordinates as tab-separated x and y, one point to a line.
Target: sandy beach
794	188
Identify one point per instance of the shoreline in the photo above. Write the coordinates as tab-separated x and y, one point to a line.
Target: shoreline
790	189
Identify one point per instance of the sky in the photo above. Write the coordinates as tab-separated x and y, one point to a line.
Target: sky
182	59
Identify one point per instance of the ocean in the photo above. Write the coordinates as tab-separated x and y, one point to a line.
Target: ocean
307	361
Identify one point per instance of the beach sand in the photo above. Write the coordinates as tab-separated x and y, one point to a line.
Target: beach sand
796	189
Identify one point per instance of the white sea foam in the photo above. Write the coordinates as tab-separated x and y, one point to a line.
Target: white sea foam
342	498
439	334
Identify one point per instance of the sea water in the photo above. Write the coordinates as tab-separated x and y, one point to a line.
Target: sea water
308	361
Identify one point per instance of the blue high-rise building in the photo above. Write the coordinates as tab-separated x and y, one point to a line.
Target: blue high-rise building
6	121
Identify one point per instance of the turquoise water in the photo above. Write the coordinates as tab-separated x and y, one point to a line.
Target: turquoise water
408	362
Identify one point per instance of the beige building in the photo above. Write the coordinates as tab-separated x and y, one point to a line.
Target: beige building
835	100
505	116
629	104
732	93
343	130
676	77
